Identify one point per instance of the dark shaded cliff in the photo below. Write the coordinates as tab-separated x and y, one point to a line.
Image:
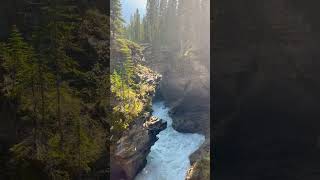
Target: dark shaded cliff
266	90
185	88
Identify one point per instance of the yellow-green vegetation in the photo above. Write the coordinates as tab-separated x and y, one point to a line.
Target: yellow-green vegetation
128	94
128	103
122	51
125	46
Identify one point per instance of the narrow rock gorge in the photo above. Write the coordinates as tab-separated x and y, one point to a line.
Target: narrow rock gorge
175	36
186	90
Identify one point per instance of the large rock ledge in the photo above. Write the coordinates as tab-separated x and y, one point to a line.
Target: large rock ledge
133	148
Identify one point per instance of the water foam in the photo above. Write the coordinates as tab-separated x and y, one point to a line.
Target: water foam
169	156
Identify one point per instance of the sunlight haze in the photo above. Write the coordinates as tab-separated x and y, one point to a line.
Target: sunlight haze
130	6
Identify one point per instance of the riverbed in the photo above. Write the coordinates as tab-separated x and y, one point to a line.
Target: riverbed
169	156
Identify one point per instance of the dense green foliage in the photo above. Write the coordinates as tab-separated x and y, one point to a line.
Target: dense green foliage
135	29
116	27
127	103
57	81
56	131
46	86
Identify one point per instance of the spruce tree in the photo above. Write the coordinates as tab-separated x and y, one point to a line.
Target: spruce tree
117	21
17	55
142	31
152	19
145	29
171	33
22	82
137	26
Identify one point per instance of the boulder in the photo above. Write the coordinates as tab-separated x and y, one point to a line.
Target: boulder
133	147
155	125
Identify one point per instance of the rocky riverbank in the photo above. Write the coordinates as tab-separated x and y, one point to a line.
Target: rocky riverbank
134	146
186	90
130	151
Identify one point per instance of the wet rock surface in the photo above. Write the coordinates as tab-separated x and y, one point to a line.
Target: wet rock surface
134	146
185	87
155	125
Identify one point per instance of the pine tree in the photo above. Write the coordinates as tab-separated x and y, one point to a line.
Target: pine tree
22	85
142	31
171	33
117	21
183	12
152	20
137	26
16	54
130	29
145	29
60	127
129	71
205	21
61	24
162	21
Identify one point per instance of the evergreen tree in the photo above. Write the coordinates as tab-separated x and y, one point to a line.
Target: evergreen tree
162	21
38	84
172	33
137	26
24	84
152	20
130	28
205	21
184	24
117	21
142	30
17	56
145	29
134	28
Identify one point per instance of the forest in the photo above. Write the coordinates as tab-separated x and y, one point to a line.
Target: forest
52	86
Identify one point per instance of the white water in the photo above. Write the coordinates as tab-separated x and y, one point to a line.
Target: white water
169	156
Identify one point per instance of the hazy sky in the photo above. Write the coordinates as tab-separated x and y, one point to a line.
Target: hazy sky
130	6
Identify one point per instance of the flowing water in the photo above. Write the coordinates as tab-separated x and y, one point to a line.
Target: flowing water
169	156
